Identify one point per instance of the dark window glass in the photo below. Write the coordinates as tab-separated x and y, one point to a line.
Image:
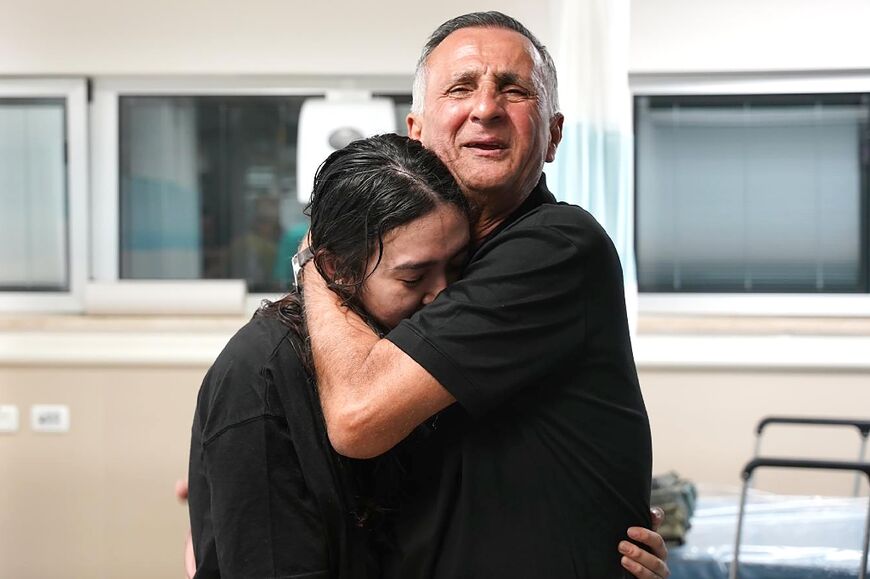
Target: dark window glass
752	193
208	188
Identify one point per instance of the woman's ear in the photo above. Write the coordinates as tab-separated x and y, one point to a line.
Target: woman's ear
325	262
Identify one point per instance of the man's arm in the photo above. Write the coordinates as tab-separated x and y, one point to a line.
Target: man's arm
518	310
373	394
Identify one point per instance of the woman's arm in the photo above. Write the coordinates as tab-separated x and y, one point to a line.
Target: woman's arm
181	490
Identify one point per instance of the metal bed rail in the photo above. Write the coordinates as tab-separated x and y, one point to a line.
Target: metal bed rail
756	463
862	425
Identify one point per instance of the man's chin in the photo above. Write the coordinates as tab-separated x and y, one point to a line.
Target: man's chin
486	188
485	177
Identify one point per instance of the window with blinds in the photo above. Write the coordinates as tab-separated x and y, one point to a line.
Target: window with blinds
748	193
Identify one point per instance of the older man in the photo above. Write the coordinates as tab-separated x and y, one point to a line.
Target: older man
534	455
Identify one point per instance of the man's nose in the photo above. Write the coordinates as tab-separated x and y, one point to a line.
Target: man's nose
488	104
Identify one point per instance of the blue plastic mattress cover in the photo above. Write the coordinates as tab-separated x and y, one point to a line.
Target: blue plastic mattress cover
784	537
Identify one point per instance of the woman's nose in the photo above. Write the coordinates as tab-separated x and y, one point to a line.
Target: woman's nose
436	288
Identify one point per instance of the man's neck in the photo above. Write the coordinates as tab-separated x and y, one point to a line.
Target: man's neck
487	215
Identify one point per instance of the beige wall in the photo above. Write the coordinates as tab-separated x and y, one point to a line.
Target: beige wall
97	501
703	423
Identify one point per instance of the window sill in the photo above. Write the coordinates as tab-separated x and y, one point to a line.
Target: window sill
752	342
723	343
752	352
765	305
114	340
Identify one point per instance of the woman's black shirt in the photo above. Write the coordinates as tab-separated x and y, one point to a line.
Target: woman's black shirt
268	495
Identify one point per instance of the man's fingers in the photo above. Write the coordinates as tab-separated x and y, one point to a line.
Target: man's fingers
651	539
658	517
645	564
637	569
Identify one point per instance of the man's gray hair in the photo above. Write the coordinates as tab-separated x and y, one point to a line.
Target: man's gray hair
543	73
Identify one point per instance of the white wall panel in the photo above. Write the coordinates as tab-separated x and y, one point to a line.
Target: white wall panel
749	35
95	37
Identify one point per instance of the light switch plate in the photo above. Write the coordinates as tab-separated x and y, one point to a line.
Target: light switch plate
8	418
49	418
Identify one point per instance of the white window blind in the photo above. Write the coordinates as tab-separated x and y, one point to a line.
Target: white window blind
752	194
34	247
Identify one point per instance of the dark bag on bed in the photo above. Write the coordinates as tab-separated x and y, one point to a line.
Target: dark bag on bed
676	497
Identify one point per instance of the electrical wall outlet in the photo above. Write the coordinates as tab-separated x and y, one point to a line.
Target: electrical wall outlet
49	418
8	418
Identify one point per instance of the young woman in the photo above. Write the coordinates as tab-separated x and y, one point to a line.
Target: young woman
268	495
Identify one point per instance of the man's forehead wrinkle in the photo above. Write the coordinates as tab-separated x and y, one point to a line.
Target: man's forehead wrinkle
473	49
466	75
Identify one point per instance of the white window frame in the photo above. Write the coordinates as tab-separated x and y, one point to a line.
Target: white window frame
790	304
74	92
105	132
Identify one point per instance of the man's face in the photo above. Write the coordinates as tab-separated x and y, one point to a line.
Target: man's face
481	113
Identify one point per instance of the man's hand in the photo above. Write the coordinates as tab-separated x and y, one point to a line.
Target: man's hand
639	562
181	490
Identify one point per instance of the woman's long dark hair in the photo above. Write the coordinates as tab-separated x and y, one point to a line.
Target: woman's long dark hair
361	193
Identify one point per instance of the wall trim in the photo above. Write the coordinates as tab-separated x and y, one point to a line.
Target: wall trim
174	345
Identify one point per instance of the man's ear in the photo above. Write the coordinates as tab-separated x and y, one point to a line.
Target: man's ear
555	136
415	125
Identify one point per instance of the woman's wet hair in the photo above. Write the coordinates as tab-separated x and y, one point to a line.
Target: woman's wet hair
366	190
360	194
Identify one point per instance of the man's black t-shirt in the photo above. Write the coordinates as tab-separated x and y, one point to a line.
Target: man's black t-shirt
545	461
268	496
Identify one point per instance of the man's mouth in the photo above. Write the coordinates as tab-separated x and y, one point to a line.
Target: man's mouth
487	145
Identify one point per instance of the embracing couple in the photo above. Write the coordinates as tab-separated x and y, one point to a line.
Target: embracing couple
450	392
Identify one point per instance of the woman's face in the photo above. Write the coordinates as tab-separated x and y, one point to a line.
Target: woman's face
420	258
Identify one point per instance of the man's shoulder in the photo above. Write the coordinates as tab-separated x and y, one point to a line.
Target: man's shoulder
559	213
555	224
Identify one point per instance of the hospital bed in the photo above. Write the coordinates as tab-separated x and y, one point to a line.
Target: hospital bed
780	536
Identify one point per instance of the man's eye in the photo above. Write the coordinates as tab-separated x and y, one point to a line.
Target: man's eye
459	90
516	91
